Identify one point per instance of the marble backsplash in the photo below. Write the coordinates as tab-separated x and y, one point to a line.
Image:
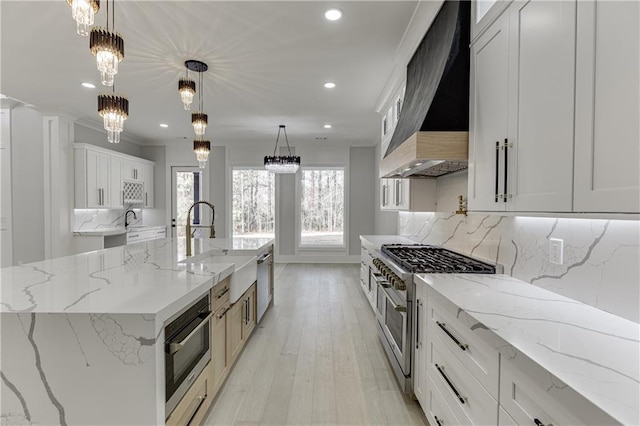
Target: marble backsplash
601	257
94	219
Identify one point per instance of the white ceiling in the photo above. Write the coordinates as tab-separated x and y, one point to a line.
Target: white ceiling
267	64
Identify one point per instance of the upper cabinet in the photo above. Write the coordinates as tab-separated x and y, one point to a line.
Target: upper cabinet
484	13
526	90
607	159
417	195
110	180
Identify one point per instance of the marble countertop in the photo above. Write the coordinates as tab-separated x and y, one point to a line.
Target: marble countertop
116	231
594	352
378	240
145	278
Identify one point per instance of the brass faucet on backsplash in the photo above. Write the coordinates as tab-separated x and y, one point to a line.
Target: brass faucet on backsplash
212	233
462	205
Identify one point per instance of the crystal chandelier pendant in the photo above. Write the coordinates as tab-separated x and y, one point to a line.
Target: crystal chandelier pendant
84	12
187	89
108	48
199	122
114	110
202	149
282	164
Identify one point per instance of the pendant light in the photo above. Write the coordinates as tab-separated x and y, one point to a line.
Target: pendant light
84	11
108	48
202	149
199	120
114	110
282	164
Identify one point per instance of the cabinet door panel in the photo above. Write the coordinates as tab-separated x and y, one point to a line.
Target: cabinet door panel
542	93
93	193
489	113
115	183
234	331
607	160
219	360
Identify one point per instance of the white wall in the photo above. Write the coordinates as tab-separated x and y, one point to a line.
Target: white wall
27	185
363	174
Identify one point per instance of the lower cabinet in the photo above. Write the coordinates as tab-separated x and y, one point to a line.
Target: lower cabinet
219	360
241	320
420	358
249	315
193	407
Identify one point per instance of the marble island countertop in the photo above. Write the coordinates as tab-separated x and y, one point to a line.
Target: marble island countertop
378	240
593	352
145	278
105	232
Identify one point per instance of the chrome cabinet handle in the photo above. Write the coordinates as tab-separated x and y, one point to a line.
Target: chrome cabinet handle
418	325
438	421
264	258
506	162
399	191
539	423
461	398
175	347
146	203
462	346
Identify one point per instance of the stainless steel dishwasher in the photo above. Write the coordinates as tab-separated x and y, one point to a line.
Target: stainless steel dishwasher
264	261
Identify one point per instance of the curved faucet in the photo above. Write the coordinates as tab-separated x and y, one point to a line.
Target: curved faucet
125	217
212	233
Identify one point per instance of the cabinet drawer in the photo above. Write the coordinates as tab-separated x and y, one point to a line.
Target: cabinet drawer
194	405
465	338
437	410
220	294
530	395
468	399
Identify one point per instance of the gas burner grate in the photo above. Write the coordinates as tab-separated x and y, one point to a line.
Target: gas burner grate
433	259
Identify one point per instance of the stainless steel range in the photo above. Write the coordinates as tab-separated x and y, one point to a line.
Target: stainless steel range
392	272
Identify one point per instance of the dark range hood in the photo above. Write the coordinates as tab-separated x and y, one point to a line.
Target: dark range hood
431	137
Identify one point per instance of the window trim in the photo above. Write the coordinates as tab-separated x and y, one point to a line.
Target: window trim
345	228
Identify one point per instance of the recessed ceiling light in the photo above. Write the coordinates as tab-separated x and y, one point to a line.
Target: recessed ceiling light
333	14
89	85
164	125
327	126
329	85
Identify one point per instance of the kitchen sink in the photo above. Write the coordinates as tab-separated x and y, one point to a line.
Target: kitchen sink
245	273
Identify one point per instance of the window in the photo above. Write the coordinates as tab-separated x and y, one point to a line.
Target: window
322	208
253	203
187	189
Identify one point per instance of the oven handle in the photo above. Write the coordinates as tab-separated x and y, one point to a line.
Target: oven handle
380	280
175	347
396	307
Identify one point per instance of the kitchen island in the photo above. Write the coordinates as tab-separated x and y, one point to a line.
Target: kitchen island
83	336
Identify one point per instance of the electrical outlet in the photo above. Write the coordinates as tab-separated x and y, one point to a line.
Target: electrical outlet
556	246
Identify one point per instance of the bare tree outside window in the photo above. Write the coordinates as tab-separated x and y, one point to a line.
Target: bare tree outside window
322	212
253	203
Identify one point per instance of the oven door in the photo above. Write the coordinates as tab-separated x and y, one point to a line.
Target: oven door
186	354
393	320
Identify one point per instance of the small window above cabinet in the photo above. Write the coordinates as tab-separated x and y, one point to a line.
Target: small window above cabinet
417	195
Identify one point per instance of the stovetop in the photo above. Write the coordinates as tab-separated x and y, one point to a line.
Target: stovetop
433	259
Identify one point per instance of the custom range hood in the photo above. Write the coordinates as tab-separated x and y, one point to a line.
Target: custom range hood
432	135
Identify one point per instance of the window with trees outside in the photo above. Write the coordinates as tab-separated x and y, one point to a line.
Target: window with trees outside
322	208
253	203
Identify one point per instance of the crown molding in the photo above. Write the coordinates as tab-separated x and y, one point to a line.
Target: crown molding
423	15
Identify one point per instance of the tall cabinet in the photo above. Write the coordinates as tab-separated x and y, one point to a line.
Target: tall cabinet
522	97
607	158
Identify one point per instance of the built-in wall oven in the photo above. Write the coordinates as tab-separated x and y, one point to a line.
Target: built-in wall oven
187	350
392	272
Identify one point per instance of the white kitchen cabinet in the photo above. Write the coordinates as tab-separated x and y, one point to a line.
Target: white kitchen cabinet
92	179
420	359
408	194
488	114
521	147
132	170
607	156
530	395
138	235
484	13
147	173
116	193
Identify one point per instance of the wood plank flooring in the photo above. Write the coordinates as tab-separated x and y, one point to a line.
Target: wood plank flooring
314	359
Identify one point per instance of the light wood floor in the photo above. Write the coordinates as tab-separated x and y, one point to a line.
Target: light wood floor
314	359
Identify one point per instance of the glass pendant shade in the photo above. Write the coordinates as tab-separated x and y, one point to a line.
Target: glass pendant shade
199	122
114	110
187	89
84	12
282	164
108	48
202	150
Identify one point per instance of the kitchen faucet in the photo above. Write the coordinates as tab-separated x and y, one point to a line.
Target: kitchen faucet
125	217
212	233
